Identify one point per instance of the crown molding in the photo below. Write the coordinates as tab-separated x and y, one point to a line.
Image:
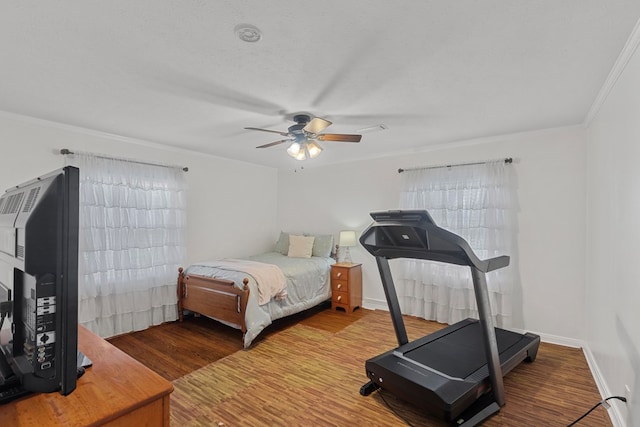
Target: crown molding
93	133
621	63
111	136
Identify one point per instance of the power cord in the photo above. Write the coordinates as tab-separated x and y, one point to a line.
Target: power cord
392	409
603	403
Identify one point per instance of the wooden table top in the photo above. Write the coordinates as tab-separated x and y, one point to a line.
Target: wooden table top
116	384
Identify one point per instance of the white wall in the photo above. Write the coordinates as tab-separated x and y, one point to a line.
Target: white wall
613	239
550	167
231	205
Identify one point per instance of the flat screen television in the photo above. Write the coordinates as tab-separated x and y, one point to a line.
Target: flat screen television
39	223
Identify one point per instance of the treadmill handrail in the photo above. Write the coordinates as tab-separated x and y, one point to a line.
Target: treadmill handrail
496	263
413	234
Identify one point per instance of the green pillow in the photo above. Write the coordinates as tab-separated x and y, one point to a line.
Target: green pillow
322	246
282	245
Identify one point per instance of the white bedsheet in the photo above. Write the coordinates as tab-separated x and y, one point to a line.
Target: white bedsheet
308	284
269	277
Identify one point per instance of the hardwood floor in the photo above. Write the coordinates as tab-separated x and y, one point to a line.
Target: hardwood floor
177	348
560	380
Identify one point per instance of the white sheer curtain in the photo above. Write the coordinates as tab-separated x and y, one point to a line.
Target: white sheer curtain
132	241
477	203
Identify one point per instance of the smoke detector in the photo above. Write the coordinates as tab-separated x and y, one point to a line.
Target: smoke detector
248	33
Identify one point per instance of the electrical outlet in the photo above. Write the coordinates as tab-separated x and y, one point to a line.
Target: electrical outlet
627	392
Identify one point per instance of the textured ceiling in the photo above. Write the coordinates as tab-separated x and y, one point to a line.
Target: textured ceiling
175	73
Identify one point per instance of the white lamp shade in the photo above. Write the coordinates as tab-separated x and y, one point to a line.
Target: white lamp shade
313	149
294	150
302	150
348	238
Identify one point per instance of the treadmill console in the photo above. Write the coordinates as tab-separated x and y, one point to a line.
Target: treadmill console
414	234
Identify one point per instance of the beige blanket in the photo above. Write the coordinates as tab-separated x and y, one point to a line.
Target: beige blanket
269	277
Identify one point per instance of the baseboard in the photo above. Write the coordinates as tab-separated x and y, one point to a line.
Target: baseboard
617	408
558	340
374	304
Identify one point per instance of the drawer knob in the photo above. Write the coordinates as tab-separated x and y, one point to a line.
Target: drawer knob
339	274
339	286
339	298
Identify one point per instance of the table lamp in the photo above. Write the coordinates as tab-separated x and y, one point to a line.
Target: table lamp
347	239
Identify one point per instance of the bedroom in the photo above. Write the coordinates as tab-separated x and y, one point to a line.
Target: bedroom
576	192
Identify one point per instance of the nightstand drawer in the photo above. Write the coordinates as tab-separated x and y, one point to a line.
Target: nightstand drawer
340	298
339	286
339	273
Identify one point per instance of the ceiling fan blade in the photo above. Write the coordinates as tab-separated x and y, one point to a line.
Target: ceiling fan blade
339	137
271	144
316	125
269	130
194	88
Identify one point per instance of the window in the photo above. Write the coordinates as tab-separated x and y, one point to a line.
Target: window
476	202
132	241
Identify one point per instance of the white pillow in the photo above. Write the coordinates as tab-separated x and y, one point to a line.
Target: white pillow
300	246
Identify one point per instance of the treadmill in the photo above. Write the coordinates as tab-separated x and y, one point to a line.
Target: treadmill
455	373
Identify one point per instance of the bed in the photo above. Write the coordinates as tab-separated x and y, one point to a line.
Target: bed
250	293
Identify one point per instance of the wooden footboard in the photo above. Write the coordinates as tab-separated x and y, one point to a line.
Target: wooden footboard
218	299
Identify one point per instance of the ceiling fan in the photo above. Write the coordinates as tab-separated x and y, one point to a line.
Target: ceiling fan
304	134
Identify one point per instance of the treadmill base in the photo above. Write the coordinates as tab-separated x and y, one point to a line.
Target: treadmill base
449	392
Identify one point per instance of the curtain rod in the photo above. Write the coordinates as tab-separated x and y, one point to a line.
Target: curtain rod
65	151
506	160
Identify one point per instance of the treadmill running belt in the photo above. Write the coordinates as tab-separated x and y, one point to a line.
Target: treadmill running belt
460	353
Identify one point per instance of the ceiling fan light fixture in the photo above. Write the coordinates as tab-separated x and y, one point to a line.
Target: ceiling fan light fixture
303	135
302	155
295	150
313	149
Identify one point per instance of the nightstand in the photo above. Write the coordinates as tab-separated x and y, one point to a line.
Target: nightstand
346	286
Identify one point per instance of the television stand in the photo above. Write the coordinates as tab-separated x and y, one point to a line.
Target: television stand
116	390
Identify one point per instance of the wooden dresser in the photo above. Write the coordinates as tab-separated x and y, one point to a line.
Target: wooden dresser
116	391
346	286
